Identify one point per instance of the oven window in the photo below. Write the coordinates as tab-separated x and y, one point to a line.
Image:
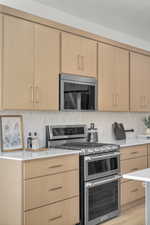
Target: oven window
102	200
79	96
101	166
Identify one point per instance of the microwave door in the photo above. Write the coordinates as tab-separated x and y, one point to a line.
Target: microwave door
70	101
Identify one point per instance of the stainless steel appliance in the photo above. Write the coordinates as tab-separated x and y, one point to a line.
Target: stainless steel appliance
92	134
77	93
99	172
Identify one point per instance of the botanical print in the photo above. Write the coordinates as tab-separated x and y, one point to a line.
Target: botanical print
11	133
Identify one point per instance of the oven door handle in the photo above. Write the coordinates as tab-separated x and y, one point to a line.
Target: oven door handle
97	183
93	158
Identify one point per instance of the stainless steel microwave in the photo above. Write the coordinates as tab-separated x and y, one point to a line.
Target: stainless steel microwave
77	93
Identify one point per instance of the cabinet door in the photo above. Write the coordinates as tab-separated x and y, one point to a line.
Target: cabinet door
113	79
46	68
78	55
140	80
1	37
18	70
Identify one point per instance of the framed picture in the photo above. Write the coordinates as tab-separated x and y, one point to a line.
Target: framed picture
11	133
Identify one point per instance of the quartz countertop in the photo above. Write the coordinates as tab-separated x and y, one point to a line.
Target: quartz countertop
28	155
129	142
141	175
53	152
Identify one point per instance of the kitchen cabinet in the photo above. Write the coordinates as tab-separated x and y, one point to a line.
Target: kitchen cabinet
132	159
1	46
18	64
78	55
44	191
139	82
113	78
148	159
47	63
31	66
131	191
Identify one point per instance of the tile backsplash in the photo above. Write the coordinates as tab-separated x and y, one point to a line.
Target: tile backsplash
36	121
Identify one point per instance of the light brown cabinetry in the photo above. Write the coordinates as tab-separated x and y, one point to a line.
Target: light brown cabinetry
47	55
113	78
148	157
131	191
49	189
78	55
40	197
61	213
1	47
18	64
132	159
139	81
31	65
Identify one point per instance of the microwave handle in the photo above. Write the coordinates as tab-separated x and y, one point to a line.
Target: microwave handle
91	158
97	183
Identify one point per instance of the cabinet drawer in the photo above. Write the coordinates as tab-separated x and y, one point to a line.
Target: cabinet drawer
61	213
131	165
41	167
133	152
148	161
49	189
131	191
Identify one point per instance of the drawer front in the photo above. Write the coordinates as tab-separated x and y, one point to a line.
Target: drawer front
41	167
148	161
61	213
131	165
131	191
133	152
49	189
148	149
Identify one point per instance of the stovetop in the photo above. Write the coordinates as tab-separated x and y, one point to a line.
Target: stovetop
87	148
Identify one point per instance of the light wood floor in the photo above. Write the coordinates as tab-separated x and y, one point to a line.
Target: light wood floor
132	216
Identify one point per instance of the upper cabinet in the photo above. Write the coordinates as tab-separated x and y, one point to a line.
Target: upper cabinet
1	46
113	78
78	55
31	65
140	83
18	64
47	68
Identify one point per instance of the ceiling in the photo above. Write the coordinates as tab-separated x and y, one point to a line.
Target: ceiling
127	16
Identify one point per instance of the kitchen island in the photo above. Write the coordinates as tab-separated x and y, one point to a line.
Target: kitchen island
39	187
143	176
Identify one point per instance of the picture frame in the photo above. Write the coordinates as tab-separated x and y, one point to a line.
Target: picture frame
12	137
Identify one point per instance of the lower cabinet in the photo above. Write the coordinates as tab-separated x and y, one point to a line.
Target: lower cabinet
132	159
40	191
131	191
61	213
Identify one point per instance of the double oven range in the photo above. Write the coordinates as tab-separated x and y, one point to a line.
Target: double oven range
99	172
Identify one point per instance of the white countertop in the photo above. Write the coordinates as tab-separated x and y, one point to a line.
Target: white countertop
28	155
141	175
129	142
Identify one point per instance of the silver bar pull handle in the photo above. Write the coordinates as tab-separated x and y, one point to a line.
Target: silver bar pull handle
91	158
32	94
55	166
55	218
94	184
55	189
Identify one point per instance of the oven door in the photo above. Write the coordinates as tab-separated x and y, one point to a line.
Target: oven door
101	165
102	200
77	93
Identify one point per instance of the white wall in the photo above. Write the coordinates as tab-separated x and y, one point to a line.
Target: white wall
51	13
36	121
